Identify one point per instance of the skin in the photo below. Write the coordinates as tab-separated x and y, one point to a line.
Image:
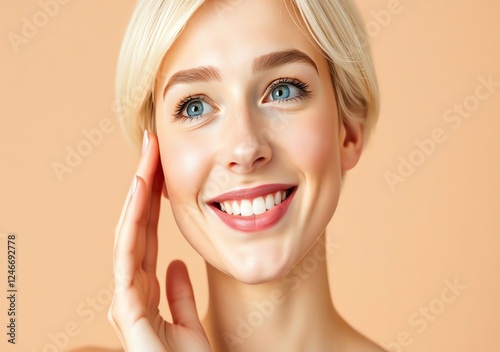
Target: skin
282	268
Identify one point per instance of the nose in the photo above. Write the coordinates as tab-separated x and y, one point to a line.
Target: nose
247	147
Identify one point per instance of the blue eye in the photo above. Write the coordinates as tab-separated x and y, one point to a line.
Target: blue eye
193	108
280	92
286	89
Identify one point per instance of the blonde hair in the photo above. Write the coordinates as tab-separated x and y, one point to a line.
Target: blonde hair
334	25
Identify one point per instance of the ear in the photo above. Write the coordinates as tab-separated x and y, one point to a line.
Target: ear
351	144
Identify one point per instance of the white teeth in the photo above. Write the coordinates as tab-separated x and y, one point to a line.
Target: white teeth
236	208
277	198
246	208
229	208
269	201
258	206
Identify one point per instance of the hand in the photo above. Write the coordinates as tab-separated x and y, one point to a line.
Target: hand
134	310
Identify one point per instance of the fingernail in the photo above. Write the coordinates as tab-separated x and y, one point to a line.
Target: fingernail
145	141
134	186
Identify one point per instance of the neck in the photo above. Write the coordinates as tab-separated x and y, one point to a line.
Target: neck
277	316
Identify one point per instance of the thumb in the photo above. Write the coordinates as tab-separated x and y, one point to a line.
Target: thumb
180	296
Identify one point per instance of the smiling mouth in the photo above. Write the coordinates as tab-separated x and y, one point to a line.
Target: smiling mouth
254	206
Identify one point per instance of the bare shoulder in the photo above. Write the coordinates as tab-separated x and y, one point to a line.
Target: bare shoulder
95	349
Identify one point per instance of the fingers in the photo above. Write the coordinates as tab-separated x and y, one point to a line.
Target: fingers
137	219
151	256
146	169
127	253
180	295
124	255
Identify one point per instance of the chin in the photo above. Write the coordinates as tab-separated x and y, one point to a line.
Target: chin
258	269
258	278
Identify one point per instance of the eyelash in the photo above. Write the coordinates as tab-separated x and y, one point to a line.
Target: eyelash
303	87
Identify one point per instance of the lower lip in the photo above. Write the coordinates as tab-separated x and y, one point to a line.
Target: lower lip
256	223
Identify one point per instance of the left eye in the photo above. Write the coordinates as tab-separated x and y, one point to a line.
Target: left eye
284	91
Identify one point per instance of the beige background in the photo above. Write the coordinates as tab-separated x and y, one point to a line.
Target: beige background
397	247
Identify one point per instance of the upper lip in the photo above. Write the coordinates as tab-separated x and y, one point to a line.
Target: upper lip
251	193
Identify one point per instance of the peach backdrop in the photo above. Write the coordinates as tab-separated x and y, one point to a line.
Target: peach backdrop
412	221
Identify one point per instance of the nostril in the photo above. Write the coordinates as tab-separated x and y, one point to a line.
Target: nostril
247	163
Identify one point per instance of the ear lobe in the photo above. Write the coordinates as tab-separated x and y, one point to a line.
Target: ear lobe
351	144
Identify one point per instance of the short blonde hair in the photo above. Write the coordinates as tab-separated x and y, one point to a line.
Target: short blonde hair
334	25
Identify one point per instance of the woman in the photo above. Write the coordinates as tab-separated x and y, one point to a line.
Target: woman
251	112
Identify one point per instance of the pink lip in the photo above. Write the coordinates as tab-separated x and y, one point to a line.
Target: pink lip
251	193
254	223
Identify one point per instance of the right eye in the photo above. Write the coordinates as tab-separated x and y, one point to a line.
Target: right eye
192	108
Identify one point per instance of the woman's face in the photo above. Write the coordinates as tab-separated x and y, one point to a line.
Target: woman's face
250	141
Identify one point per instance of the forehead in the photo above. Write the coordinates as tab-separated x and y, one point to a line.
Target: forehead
230	36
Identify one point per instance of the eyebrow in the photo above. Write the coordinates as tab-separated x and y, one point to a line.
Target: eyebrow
281	58
261	63
193	75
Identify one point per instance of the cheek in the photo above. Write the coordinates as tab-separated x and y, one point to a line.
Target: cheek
315	153
185	165
314	143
